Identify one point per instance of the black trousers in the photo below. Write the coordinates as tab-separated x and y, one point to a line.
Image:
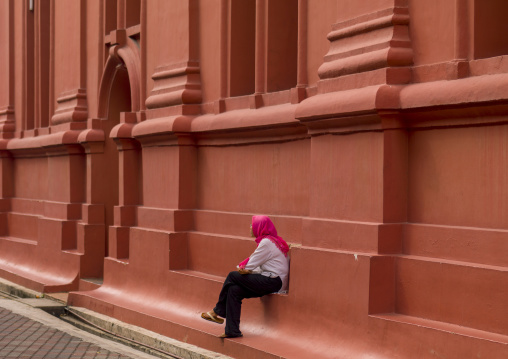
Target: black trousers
236	287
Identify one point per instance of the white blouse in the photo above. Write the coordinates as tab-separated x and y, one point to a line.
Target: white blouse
269	261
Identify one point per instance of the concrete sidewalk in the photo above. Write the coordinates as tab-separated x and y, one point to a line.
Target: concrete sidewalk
27	330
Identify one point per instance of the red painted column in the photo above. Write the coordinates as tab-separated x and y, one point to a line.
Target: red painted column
7	69
173	99
6	190
176	65
71	111
299	93
260	84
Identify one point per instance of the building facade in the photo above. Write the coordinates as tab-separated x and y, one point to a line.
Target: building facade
138	137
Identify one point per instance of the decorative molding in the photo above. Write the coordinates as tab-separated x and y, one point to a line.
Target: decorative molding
127	55
369	42
72	107
175	84
7	122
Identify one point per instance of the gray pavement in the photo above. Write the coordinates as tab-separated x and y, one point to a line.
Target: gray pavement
28	332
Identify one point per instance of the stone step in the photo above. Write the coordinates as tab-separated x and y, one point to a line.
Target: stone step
461	293
24	226
170	301
20	262
440	339
211	253
173	307
90	283
466	244
443	327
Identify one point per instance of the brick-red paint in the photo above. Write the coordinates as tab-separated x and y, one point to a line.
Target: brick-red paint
137	146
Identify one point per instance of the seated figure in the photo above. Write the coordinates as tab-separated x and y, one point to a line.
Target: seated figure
264	272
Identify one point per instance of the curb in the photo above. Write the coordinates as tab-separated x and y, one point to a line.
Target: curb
145	337
17	290
106	327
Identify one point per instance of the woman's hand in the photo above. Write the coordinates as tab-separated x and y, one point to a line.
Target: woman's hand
244	271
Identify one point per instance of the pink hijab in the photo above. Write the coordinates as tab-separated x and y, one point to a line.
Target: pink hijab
262	227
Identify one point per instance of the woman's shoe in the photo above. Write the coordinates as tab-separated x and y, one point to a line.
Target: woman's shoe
212	318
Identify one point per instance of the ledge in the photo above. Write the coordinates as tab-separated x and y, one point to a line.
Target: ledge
271	116
265	122
358	109
43	142
162	125
472	100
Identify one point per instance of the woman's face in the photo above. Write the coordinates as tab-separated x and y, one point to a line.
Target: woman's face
251	232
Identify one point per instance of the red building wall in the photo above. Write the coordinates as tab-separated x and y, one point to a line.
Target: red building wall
138	137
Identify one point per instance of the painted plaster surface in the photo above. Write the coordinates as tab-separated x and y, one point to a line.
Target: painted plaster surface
138	138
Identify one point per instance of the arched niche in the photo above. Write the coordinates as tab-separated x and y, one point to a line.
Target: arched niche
124	57
119	93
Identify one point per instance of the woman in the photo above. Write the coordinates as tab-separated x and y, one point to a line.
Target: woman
264	272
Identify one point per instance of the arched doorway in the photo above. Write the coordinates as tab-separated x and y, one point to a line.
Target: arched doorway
110	163
119	101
